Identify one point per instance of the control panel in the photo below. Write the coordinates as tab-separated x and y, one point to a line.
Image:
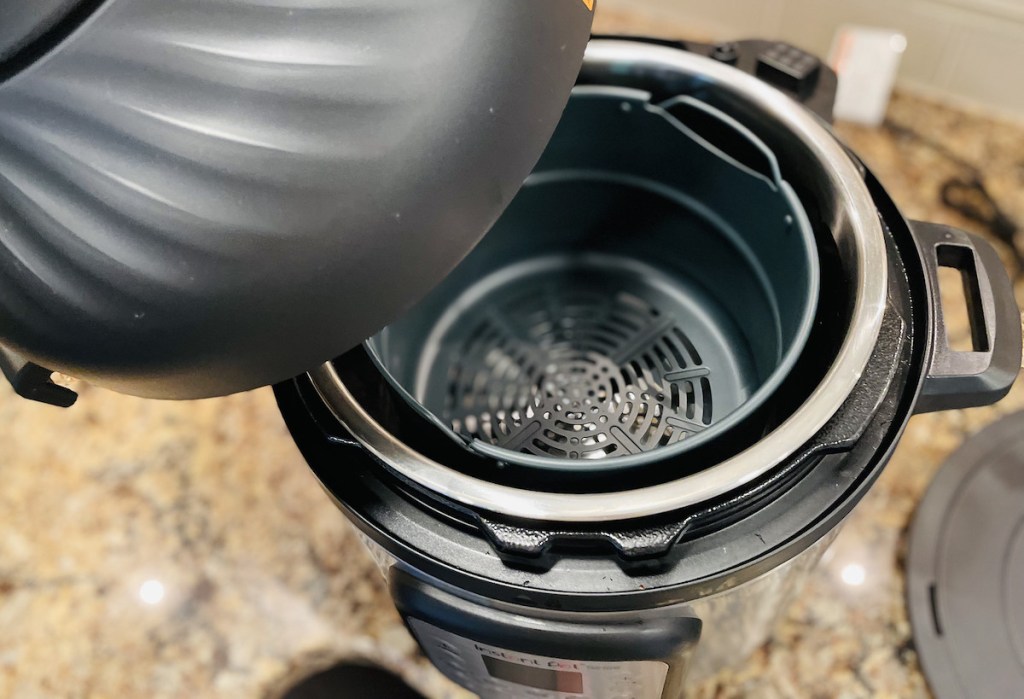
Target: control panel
499	673
788	67
512	651
799	74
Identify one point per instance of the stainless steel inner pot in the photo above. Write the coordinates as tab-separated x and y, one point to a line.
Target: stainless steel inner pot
819	169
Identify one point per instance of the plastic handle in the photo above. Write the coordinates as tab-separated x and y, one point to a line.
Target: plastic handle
968	379
34	382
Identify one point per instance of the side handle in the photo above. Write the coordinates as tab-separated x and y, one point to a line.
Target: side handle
987	372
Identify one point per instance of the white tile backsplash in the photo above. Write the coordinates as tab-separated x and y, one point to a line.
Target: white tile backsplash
990	65
971	50
1006	9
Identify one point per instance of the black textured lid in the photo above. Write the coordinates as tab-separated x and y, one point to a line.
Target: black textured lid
965	577
199	197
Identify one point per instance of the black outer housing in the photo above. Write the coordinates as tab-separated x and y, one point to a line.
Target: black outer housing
810	494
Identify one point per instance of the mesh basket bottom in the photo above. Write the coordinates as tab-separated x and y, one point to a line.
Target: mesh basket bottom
583	360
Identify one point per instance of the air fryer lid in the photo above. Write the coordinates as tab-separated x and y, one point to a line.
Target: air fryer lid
202	198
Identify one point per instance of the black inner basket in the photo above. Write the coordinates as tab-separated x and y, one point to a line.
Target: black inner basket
645	292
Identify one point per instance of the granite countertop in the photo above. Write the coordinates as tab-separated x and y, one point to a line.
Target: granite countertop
184	549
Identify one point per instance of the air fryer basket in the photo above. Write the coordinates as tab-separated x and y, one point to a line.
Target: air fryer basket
646	290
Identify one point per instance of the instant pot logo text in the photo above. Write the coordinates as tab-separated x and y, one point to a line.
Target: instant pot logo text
550	663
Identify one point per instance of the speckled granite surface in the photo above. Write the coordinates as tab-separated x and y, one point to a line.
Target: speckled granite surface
263	581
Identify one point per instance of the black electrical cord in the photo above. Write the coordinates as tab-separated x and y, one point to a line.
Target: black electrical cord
967	195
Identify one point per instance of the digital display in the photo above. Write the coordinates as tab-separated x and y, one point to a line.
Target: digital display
536	677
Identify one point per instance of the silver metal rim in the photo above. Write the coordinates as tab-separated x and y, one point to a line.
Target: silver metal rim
857	231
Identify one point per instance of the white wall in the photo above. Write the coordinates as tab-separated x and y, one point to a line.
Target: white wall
971	50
